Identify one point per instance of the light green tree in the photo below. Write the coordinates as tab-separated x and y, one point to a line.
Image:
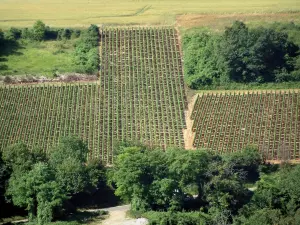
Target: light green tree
38	31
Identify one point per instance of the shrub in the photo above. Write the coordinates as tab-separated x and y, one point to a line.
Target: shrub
26	33
175	218
38	31
86	55
13	34
9	80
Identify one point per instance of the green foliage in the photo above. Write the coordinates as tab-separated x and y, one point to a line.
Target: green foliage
64	34
4	176
158	180
262	217
258	55
41	185
240	55
68	148
291	29
225	187
174	218
248	160
69	160
19	158
276	199
86	55
26	33
13	34
202	62
64	223
20	47
58	223
68	33
1	35
138	175
38	31
36	190
154	180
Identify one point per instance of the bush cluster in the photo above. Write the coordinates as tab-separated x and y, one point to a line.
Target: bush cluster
86	55
241	55
174	218
41	32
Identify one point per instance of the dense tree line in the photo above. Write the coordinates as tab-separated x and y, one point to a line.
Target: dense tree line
43	183
241	55
199	187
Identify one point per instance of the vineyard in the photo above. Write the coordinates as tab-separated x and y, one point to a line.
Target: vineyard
227	122
143	85
39	115
139	97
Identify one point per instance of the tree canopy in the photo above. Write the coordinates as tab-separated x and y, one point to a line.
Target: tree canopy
42	183
240	55
158	180
200	187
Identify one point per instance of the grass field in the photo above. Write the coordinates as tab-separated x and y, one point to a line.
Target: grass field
228	121
79	13
40	59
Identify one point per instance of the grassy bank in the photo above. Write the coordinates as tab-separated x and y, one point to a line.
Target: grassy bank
39	58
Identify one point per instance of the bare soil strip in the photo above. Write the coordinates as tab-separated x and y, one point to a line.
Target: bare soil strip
188	134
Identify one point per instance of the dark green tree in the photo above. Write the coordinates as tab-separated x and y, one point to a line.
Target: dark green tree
41	185
257	55
276	199
4	176
240	55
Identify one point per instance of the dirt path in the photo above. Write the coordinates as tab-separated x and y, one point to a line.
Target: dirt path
117	216
188	133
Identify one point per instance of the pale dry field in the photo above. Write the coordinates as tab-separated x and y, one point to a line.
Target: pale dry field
77	13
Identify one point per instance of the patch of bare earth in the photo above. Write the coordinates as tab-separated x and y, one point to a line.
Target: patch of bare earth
283	161
117	216
219	21
188	133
